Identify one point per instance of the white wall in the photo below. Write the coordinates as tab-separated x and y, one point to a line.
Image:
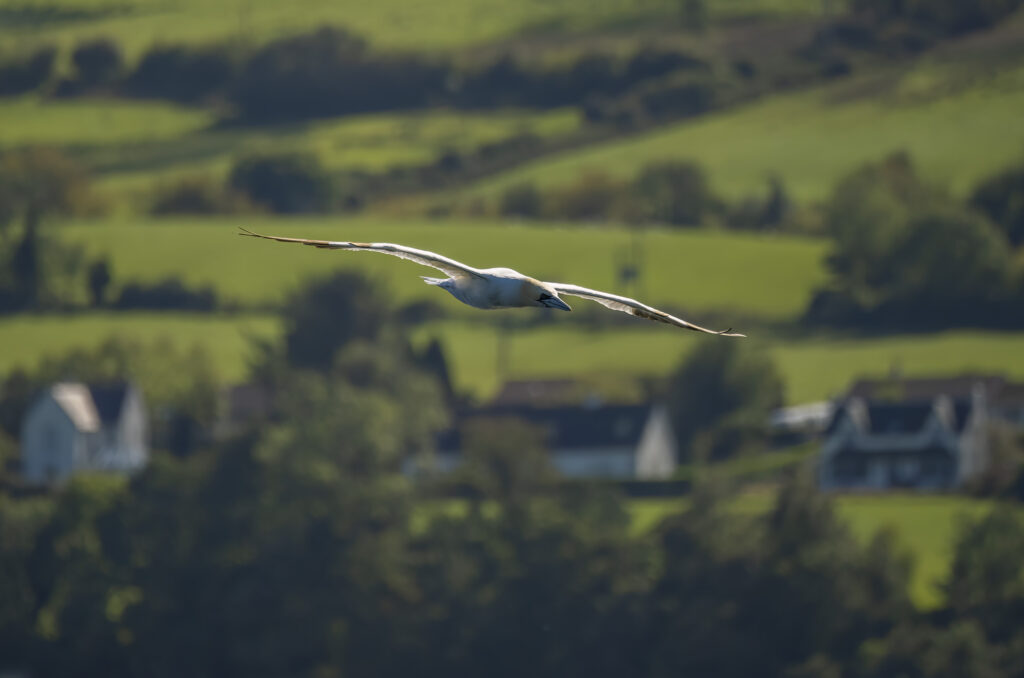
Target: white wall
50	443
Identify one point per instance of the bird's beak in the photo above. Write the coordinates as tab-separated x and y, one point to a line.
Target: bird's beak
555	302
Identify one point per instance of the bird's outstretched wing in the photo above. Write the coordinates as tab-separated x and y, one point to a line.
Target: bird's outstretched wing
444	264
634	307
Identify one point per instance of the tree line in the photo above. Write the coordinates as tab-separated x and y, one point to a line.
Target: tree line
300	550
298	547
908	255
331	71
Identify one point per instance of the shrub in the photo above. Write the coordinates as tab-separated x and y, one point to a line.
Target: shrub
906	255
199	195
169	294
674	192
181	73
1001	199
522	200
594	197
18	76
287	184
331	72
682	99
654	63
37	181
767	213
720	398
96	62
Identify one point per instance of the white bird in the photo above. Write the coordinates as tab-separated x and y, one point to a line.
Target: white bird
491	288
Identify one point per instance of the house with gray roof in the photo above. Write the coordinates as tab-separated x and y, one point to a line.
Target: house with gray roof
886	435
590	440
74	427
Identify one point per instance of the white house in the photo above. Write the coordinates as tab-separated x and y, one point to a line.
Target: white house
937	443
590	441
75	427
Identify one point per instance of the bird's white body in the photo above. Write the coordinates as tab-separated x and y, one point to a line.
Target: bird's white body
494	288
491	288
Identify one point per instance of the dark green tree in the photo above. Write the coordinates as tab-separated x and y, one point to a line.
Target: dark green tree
99	279
529	563
505	459
20	523
987	577
36	184
720	398
96	62
1001	199
522	200
674	193
937	243
793	590
76	584
286	184
329	313
922	651
867	216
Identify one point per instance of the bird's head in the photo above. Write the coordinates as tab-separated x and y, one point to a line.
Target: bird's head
545	295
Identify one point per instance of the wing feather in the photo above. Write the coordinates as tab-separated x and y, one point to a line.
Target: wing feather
634	307
449	266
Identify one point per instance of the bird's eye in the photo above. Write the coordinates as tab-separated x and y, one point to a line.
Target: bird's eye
544	296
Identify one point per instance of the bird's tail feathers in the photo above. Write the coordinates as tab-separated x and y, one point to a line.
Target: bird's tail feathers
432	281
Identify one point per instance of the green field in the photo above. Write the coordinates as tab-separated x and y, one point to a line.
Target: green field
715	278
30	120
371	143
28	339
762	276
130	145
813	369
958	128
926	526
445	25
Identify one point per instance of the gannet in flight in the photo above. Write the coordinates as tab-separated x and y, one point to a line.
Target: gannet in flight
491	288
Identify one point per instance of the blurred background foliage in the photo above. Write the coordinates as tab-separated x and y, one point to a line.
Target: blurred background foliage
844	181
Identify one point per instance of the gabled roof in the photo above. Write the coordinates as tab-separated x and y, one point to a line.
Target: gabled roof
109	399
77	403
905	418
537	391
901	389
898	418
570	428
91	406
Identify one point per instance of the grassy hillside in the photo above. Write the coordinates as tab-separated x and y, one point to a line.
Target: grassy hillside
813	368
959	126
926	526
27	339
568	346
393	23
692	270
713	278
131	145
81	124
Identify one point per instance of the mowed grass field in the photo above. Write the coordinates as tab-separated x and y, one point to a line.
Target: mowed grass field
926	526
482	355
80	124
443	25
813	368
771	277
958	129
28	339
713	278
130	146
